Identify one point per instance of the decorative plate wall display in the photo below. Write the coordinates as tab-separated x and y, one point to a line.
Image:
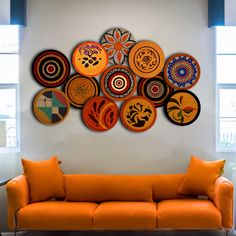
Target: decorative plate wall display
51	106
146	59
100	113
182	107
89	59
182	71
118	42
138	114
50	68
80	88
155	89
118	82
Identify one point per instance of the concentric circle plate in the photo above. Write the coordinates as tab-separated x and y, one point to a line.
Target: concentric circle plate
118	83
51	68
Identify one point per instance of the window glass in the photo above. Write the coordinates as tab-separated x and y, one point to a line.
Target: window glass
9	40
225	40
226	65
9	68
8	117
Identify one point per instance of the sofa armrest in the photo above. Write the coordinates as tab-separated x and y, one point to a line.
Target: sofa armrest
17	196
223	199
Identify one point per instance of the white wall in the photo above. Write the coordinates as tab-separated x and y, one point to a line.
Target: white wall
4	12
230	10
177	26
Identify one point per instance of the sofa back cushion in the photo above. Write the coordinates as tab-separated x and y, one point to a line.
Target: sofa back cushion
100	188
165	186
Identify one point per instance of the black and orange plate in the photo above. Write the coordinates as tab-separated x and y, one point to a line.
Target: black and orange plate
50	68
182	107
100	113
155	89
80	88
118	82
146	59
51	106
138	114
89	59
182	71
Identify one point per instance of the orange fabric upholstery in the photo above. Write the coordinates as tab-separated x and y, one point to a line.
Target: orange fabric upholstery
45	179
128	204
17	196
101	188
223	199
56	215
188	214
201	176
125	215
165	186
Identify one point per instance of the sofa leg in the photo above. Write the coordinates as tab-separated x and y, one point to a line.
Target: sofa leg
227	233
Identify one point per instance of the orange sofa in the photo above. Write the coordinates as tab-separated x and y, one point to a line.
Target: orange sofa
121	202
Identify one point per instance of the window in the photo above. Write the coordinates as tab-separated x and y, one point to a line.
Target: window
226	88
9	115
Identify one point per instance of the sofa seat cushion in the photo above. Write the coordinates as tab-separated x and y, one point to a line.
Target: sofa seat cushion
125	215
56	215
188	214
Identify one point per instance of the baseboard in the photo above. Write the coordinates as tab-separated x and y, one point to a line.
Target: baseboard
12	234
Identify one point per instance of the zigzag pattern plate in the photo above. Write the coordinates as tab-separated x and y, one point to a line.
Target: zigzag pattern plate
51	106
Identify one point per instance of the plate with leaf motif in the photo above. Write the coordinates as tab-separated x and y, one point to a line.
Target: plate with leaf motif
182	107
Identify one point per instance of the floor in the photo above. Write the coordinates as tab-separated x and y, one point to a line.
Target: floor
128	233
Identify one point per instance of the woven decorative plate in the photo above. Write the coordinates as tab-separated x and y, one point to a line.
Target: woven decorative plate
146	59
50	68
118	82
100	113
51	106
118	42
182	107
182	71
80	88
89	59
155	89
138	114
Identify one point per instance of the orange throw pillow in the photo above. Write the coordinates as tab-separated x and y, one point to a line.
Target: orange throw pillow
45	179
201	176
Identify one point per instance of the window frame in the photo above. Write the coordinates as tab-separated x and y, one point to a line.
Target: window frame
218	87
15	86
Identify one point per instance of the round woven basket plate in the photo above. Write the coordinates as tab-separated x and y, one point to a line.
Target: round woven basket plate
182	71
138	114
50	68
100	113
51	106
182	107
80	88
118	42
118	82
155	89
146	59
89	59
